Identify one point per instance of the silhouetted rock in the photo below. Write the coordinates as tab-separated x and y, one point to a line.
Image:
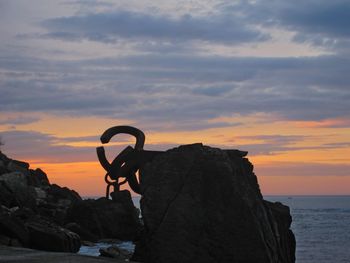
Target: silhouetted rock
45	235
106	218
115	252
280	218
202	204
24	187
22	227
32	209
39	178
84	233
12	229
16	183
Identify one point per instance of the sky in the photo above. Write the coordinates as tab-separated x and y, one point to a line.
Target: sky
269	77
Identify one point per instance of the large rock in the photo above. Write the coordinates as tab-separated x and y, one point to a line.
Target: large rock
106	218
33	210
12	229
22	227
16	184
45	235
203	204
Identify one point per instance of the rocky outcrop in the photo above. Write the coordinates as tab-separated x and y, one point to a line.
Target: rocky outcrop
203	204
104	218
32	209
21	227
115	252
37	214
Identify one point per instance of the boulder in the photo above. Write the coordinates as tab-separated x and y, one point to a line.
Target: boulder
106	218
203	204
115	252
45	235
12	228
84	233
22	227
280	214
18	166
3	168
16	185
38	178
32	209
56	202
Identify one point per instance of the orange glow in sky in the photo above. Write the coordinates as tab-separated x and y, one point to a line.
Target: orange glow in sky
230	74
288	159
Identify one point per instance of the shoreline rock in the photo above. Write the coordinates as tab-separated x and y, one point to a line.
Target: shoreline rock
37	214
25	255
203	204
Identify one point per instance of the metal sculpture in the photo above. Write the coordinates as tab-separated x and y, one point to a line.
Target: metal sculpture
128	162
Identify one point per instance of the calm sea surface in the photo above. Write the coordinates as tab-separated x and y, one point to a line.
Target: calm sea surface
321	225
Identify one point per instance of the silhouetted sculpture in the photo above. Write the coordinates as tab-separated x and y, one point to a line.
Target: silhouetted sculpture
128	162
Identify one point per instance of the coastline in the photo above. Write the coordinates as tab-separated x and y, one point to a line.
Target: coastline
26	255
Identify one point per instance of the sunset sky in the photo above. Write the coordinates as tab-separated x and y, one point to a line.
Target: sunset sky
269	77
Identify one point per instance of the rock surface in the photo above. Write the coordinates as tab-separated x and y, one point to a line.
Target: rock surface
105	218
203	204
40	215
24	255
115	252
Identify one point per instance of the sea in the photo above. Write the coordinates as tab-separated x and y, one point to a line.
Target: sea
321	225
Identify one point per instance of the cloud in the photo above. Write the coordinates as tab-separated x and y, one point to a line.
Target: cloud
42	147
277	144
181	91
303	169
18	120
320	22
109	27
163	77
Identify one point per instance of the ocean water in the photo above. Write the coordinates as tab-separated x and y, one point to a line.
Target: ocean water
321	225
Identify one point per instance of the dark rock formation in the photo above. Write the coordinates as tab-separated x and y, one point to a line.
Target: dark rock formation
104	218
22	227
115	252
40	215
32	209
203	204
45	235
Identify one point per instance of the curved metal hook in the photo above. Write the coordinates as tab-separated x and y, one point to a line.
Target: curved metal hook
138	134
115	170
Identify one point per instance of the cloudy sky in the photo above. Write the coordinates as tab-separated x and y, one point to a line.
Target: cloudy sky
271	77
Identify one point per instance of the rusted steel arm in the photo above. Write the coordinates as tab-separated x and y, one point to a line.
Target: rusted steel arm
128	162
138	134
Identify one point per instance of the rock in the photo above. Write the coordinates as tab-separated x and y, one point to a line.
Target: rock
105	218
280	218
63	193
115	252
4	158
88	243
84	233
203	204
56	203
32	208
45	235
38	178
13	228
25	255
6	196
22	227
3	168
5	240
16	185
18	166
